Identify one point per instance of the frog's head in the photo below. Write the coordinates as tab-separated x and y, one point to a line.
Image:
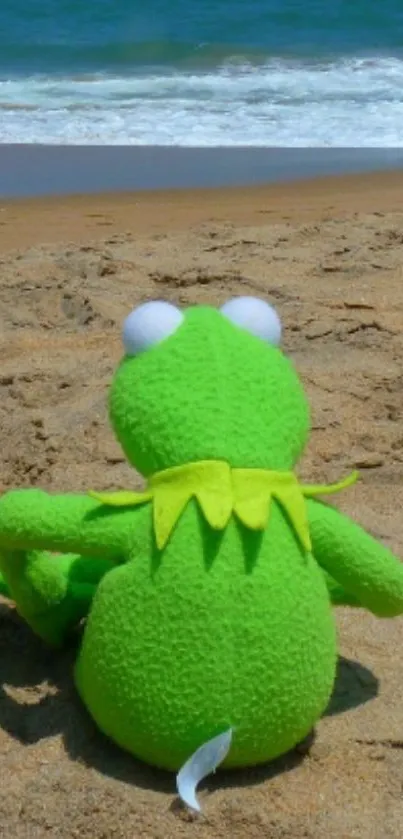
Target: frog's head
207	384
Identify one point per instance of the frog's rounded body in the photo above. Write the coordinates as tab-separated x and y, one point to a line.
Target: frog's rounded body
219	630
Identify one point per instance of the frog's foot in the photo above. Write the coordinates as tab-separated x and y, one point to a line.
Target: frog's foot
53	593
338	595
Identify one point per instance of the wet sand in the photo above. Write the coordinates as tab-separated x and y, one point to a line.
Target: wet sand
35	170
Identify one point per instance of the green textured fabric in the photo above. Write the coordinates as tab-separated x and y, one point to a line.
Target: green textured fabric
219	629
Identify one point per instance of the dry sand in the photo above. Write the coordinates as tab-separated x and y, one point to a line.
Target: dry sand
329	255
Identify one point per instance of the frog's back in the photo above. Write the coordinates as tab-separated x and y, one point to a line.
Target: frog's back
221	630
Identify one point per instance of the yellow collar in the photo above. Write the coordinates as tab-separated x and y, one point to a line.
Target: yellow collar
222	491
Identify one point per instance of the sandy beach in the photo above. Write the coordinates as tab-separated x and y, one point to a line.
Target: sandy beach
328	254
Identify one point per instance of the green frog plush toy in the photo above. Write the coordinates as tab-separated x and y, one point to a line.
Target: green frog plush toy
207	596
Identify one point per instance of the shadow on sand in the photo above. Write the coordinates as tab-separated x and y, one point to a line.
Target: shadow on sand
26	664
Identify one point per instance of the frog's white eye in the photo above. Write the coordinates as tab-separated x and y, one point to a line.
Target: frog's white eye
255	315
148	325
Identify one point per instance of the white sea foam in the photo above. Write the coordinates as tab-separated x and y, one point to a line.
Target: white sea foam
351	102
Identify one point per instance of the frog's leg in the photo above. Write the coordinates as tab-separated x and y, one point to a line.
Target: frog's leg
52	593
363	567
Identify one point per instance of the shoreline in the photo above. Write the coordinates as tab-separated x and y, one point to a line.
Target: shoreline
35	170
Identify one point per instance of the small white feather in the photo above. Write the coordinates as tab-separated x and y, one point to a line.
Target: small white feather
204	761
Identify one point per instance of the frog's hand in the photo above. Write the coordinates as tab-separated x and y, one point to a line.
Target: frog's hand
31	519
364	568
52	593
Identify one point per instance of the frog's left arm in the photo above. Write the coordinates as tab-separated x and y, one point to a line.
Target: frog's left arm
31	519
361	565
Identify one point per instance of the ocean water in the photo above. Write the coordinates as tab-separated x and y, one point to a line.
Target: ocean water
202	72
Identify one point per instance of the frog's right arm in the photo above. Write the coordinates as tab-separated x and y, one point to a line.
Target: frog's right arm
31	519
361	565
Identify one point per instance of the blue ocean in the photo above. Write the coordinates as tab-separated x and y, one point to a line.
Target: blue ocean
202	72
